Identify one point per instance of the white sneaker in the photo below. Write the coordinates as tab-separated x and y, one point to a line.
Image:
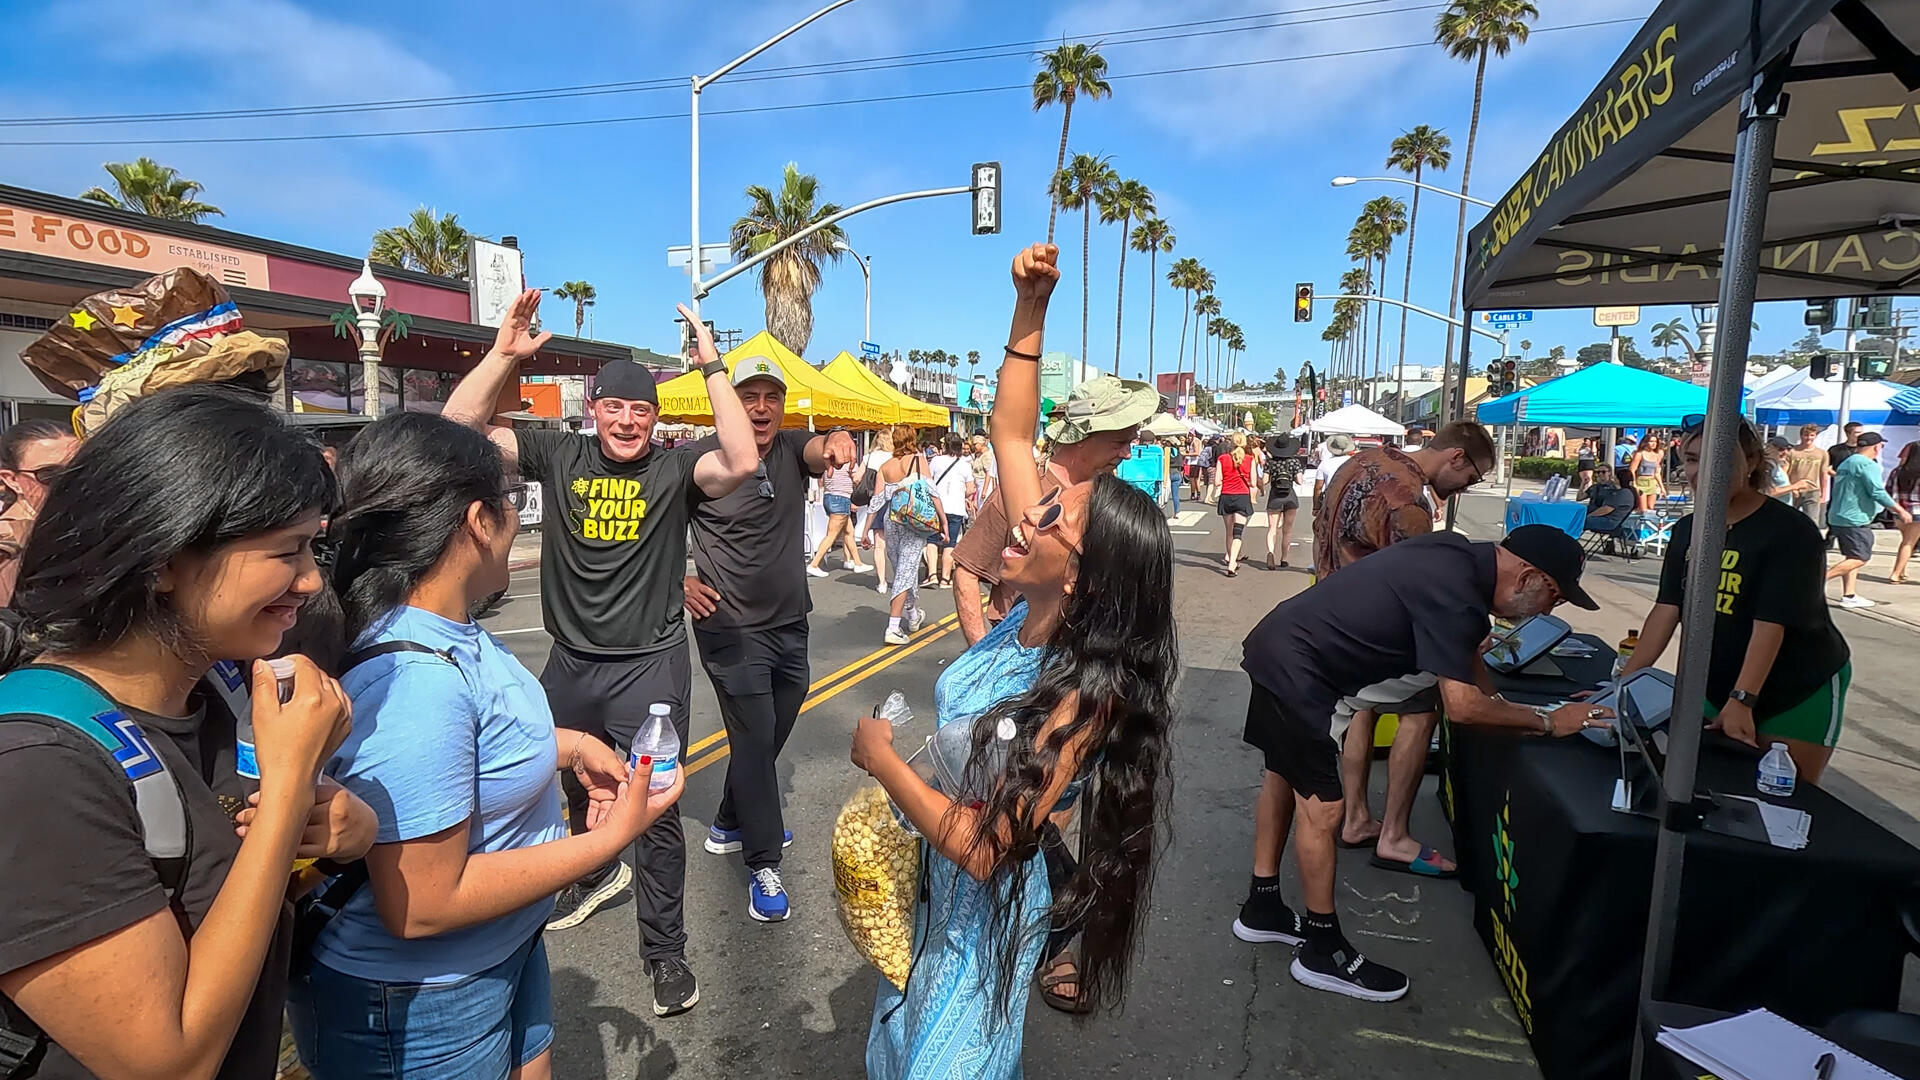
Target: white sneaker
814	571
1855	602
896	637
917	620
858	568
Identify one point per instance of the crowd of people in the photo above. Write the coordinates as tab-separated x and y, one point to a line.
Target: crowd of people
229	654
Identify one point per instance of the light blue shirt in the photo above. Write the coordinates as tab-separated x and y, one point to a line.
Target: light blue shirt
1857	493
435	744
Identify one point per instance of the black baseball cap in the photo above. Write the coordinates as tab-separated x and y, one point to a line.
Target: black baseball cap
1869	438
628	380
1779	442
1555	554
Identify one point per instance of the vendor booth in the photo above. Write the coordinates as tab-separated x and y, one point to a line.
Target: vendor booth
1353	420
813	399
845	371
1599	396
1736	150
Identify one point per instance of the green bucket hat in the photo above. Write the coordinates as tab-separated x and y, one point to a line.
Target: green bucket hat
1102	403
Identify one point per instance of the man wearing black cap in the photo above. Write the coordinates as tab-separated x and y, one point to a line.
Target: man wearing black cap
612	559
749	603
1421	605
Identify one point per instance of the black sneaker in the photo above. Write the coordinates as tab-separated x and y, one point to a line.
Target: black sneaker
1347	972
674	989
1268	921
582	898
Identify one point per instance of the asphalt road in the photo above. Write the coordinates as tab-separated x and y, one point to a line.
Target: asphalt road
793	999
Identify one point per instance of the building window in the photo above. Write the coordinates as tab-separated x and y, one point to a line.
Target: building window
425	391
317	386
389	389
10	321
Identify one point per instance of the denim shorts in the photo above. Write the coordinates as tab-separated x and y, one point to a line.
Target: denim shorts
837	504
476	1028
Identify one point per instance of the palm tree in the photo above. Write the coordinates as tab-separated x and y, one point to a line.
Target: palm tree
1205	307
1185	275
1078	187
583	296
1363	246
1203	284
393	324
1066	74
1389	219
1416	150
788	280
1469	30
1525	348
1355	282
1152	236
145	186
1123	201
428	242
1236	344
1216	331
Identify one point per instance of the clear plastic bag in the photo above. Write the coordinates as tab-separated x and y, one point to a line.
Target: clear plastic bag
876	871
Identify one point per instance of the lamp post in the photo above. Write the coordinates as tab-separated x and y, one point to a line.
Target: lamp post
369	299
866	271
1349	181
699	84
1706	316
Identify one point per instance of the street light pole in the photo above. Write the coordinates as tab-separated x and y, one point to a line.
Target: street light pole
369	297
700	83
866	271
702	288
1348	181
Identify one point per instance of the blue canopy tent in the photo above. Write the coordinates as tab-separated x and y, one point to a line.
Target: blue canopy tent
1602	395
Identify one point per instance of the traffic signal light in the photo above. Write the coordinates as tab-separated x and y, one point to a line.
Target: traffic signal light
1509	376
1819	315
1876	313
1820	366
1876	365
1493	371
986	198
1303	302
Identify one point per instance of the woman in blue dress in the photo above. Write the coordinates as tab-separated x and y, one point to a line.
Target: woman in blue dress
1075	684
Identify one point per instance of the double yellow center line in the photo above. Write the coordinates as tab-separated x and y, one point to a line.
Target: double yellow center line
714	747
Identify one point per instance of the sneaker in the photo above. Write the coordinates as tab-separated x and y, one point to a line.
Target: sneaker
727	841
858	568
1268	924
578	901
674	988
1855	602
1347	972
896	637
766	896
814	571
917	620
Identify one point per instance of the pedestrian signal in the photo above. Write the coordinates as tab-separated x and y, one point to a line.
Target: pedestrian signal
1876	366
1303	302
1819	314
1820	366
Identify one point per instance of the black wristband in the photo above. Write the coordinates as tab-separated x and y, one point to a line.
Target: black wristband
1011	351
713	367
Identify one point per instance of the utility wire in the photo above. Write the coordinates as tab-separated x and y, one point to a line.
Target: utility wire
547	124
790	71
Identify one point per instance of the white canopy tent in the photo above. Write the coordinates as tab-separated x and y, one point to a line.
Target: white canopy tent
1353	420
1802	399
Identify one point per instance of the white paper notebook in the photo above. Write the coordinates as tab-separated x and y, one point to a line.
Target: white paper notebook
1761	1046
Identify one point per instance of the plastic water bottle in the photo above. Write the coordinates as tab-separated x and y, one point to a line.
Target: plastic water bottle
656	744
1777	775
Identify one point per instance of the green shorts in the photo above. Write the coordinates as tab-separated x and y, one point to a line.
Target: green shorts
1816	720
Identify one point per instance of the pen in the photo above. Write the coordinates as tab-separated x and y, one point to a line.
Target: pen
1823	1067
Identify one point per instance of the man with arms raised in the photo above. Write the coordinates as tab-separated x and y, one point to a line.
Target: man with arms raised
749	603
1093	433
612	558
1420	605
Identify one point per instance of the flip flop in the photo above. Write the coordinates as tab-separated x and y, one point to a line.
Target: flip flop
1423	866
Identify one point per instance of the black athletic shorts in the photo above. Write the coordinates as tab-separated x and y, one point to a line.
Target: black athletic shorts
1280	504
1856	541
1236	504
1302	751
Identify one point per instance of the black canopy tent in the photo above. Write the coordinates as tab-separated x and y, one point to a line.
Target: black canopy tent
1737	149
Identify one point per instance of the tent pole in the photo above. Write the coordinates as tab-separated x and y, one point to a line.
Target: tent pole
1746	224
1454	406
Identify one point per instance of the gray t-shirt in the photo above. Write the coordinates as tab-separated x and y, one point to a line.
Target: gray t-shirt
613	545
749	545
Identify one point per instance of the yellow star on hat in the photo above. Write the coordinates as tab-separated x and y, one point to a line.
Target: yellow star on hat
125	316
82	320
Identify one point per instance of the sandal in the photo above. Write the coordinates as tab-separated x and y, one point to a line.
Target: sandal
1071	1004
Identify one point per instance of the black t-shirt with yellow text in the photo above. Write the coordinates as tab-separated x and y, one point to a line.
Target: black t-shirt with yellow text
613	544
1773	569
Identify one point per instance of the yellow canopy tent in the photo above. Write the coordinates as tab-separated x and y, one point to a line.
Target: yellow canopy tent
847	371
810	394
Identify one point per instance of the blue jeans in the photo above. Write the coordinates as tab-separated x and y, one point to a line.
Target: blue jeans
837	504
475	1028
1173	491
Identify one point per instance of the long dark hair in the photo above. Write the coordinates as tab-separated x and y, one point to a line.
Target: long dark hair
185	470
405	484
1906	475
1115	653
14	442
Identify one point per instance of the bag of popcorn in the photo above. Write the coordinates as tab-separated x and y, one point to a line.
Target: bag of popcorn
876	874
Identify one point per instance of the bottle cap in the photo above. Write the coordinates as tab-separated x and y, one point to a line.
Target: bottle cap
282	667
660	708
1780	746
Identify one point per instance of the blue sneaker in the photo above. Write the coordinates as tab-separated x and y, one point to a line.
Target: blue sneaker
766	896
727	841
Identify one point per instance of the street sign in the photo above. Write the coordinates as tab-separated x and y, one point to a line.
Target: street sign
1506	318
711	257
1616	316
869	350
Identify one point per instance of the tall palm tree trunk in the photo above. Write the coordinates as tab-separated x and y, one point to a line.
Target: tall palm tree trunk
1406	295
1180	357
1086	267
1059	162
1120	292
1153	303
1460	238
1379	327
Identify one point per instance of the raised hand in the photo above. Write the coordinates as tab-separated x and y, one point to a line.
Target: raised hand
839	449
704	350
515	339
293	740
1036	270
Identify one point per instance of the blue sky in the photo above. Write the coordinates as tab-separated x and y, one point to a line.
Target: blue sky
1238	159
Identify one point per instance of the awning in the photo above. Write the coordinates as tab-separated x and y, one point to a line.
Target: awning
1627	203
847	371
810	393
1353	420
1600	395
1804	400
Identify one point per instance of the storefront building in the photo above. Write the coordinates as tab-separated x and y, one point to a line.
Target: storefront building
55	251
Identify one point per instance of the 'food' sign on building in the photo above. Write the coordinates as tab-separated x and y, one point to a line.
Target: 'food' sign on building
61	236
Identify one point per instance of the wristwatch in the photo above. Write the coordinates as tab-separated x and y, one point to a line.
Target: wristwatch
1743	697
712	368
